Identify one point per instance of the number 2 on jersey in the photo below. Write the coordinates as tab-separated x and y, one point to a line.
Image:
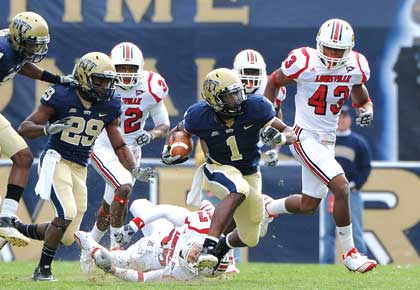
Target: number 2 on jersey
318	99
130	124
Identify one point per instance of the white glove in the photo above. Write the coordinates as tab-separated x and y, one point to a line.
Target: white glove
58	126
270	157
144	174
168	159
103	259
365	118
123	238
68	79
143	138
272	135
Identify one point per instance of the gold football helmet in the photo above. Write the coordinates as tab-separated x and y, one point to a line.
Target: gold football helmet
224	92
29	35
96	76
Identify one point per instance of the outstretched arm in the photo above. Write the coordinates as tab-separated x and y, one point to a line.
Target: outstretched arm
33	71
277	80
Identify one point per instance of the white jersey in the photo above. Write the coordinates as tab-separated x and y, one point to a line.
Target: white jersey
195	229
322	92
281	96
137	104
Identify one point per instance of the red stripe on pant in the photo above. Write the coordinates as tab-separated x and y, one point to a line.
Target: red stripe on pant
105	171
306	160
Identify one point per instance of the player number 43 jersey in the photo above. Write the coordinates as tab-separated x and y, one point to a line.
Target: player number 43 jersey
321	92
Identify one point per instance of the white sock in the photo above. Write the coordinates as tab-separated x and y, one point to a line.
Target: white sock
113	241
277	206
345	235
96	233
9	208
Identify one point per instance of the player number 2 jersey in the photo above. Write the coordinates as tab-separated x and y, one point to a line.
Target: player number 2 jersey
137	103
321	92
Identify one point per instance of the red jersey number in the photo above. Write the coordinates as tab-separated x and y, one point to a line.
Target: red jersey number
318	99
290	60
132	124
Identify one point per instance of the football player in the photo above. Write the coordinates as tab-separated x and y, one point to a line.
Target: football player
228	124
73	117
326	77
21	46
171	244
250	66
142	94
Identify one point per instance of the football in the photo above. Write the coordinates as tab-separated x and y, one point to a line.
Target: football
181	144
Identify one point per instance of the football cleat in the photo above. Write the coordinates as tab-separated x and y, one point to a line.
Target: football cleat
43	274
11	234
231	268
86	262
357	262
206	263
268	218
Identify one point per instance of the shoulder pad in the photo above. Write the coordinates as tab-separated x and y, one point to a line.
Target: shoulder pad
156	86
363	66
296	62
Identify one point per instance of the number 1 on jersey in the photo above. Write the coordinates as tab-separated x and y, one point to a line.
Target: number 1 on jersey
233	146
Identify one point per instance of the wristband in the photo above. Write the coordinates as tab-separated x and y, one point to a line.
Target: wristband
49	77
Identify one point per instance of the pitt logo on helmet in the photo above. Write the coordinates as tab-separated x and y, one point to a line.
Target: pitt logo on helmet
87	64
210	85
21	25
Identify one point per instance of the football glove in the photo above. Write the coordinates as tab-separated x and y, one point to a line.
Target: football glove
168	159
270	157
103	260
272	135
143	138
365	118
144	174
67	80
58	126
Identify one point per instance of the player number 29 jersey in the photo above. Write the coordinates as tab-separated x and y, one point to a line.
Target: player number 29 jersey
321	92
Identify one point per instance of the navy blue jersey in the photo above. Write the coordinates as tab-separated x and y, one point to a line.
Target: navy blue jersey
11	62
235	145
75	143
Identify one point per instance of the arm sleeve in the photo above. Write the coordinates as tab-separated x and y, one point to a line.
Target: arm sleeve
363	164
189	122
160	114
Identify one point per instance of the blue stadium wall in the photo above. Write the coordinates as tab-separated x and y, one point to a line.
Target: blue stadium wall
183	40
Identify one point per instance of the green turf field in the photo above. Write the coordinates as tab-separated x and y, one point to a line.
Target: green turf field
253	276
